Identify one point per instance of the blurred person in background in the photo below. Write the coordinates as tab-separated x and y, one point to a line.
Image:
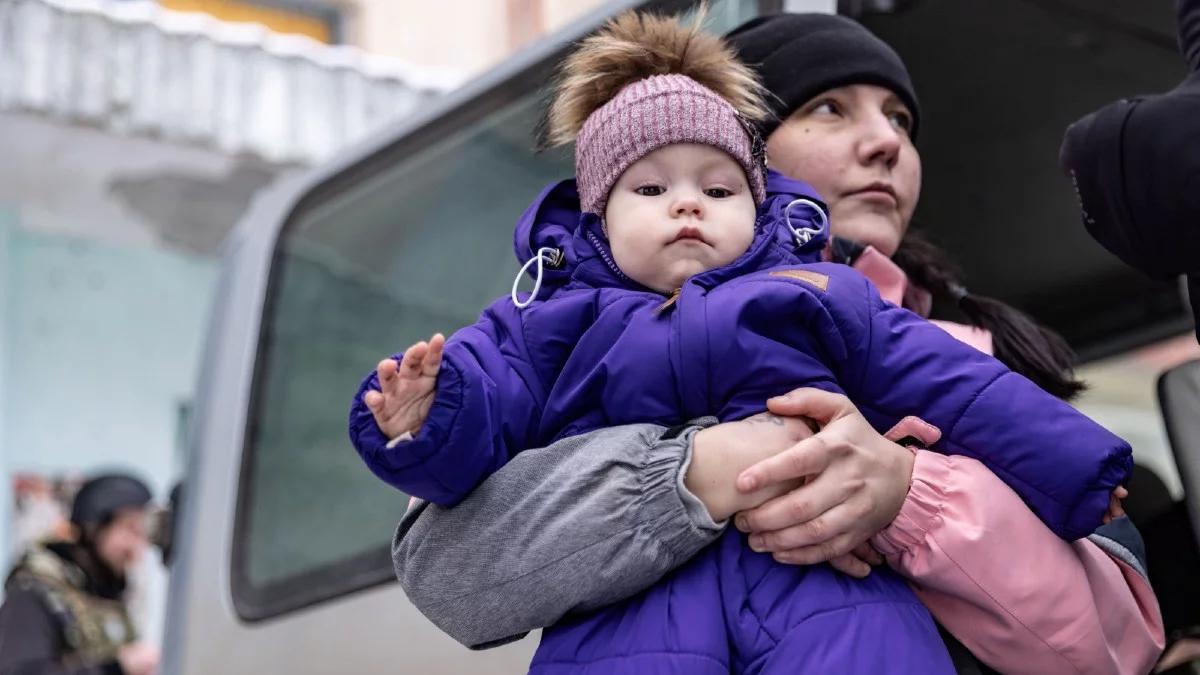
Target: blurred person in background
64	610
1135	164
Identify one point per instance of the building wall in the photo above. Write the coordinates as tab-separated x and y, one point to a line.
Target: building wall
101	350
462	35
470	36
134	138
103	343
277	17
108	253
108	257
7	217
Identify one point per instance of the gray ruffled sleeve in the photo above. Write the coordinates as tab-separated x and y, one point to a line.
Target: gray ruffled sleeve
583	523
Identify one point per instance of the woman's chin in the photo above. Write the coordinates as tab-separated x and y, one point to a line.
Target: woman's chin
869	228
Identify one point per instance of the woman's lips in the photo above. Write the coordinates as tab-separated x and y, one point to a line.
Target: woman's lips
877	192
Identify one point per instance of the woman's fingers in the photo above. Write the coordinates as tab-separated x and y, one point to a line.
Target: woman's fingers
826	536
851	565
821	406
861	482
867	553
809	456
798	506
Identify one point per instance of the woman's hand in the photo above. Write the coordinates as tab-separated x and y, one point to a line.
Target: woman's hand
858	481
720	453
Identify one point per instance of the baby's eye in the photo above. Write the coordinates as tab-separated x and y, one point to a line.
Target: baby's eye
650	190
718	193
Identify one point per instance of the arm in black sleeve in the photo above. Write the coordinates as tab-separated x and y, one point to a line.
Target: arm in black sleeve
31	641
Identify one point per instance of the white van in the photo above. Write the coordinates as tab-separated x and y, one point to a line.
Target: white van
282	563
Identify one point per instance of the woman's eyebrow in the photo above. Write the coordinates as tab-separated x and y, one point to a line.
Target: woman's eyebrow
894	100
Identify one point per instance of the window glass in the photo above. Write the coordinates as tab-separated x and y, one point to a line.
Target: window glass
420	247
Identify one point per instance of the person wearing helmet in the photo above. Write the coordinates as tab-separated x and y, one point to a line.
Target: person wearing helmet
63	611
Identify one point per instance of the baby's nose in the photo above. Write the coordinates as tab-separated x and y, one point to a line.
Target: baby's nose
685	206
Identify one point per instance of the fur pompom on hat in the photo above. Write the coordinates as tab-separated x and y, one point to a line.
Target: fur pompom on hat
644	82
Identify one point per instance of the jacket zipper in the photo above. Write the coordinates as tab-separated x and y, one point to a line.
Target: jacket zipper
603	251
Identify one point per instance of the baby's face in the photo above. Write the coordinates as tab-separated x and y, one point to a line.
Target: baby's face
680	210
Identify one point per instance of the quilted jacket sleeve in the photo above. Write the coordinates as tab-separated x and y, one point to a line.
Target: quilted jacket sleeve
524	550
982	564
486	410
897	364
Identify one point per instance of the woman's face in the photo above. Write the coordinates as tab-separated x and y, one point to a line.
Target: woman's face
851	144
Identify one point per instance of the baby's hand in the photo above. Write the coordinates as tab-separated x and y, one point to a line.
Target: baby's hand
1114	505
407	388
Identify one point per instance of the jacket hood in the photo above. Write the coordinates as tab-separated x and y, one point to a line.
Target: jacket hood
789	230
550	222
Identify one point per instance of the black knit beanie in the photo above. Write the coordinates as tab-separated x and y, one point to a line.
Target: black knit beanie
801	55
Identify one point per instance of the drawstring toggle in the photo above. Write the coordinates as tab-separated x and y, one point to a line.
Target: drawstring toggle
544	256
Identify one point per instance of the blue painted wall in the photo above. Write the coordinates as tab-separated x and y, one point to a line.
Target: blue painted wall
99	350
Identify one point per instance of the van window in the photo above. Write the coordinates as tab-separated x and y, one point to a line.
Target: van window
421	246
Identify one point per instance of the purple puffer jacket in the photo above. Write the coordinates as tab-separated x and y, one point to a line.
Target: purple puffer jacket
595	351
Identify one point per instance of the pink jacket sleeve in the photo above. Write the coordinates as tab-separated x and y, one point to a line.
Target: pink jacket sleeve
1018	597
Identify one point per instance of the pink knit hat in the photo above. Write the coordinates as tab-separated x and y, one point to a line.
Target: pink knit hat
652	113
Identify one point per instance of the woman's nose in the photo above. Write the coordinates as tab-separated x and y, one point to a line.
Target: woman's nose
880	141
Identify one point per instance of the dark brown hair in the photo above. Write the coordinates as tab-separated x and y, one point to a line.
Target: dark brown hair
1019	342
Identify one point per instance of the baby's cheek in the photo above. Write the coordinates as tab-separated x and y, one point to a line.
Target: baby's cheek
641	266
741	243
627	256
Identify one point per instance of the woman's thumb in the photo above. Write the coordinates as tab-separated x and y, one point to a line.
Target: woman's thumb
822	406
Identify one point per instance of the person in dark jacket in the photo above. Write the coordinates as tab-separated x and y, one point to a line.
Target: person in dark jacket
63	611
1135	165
